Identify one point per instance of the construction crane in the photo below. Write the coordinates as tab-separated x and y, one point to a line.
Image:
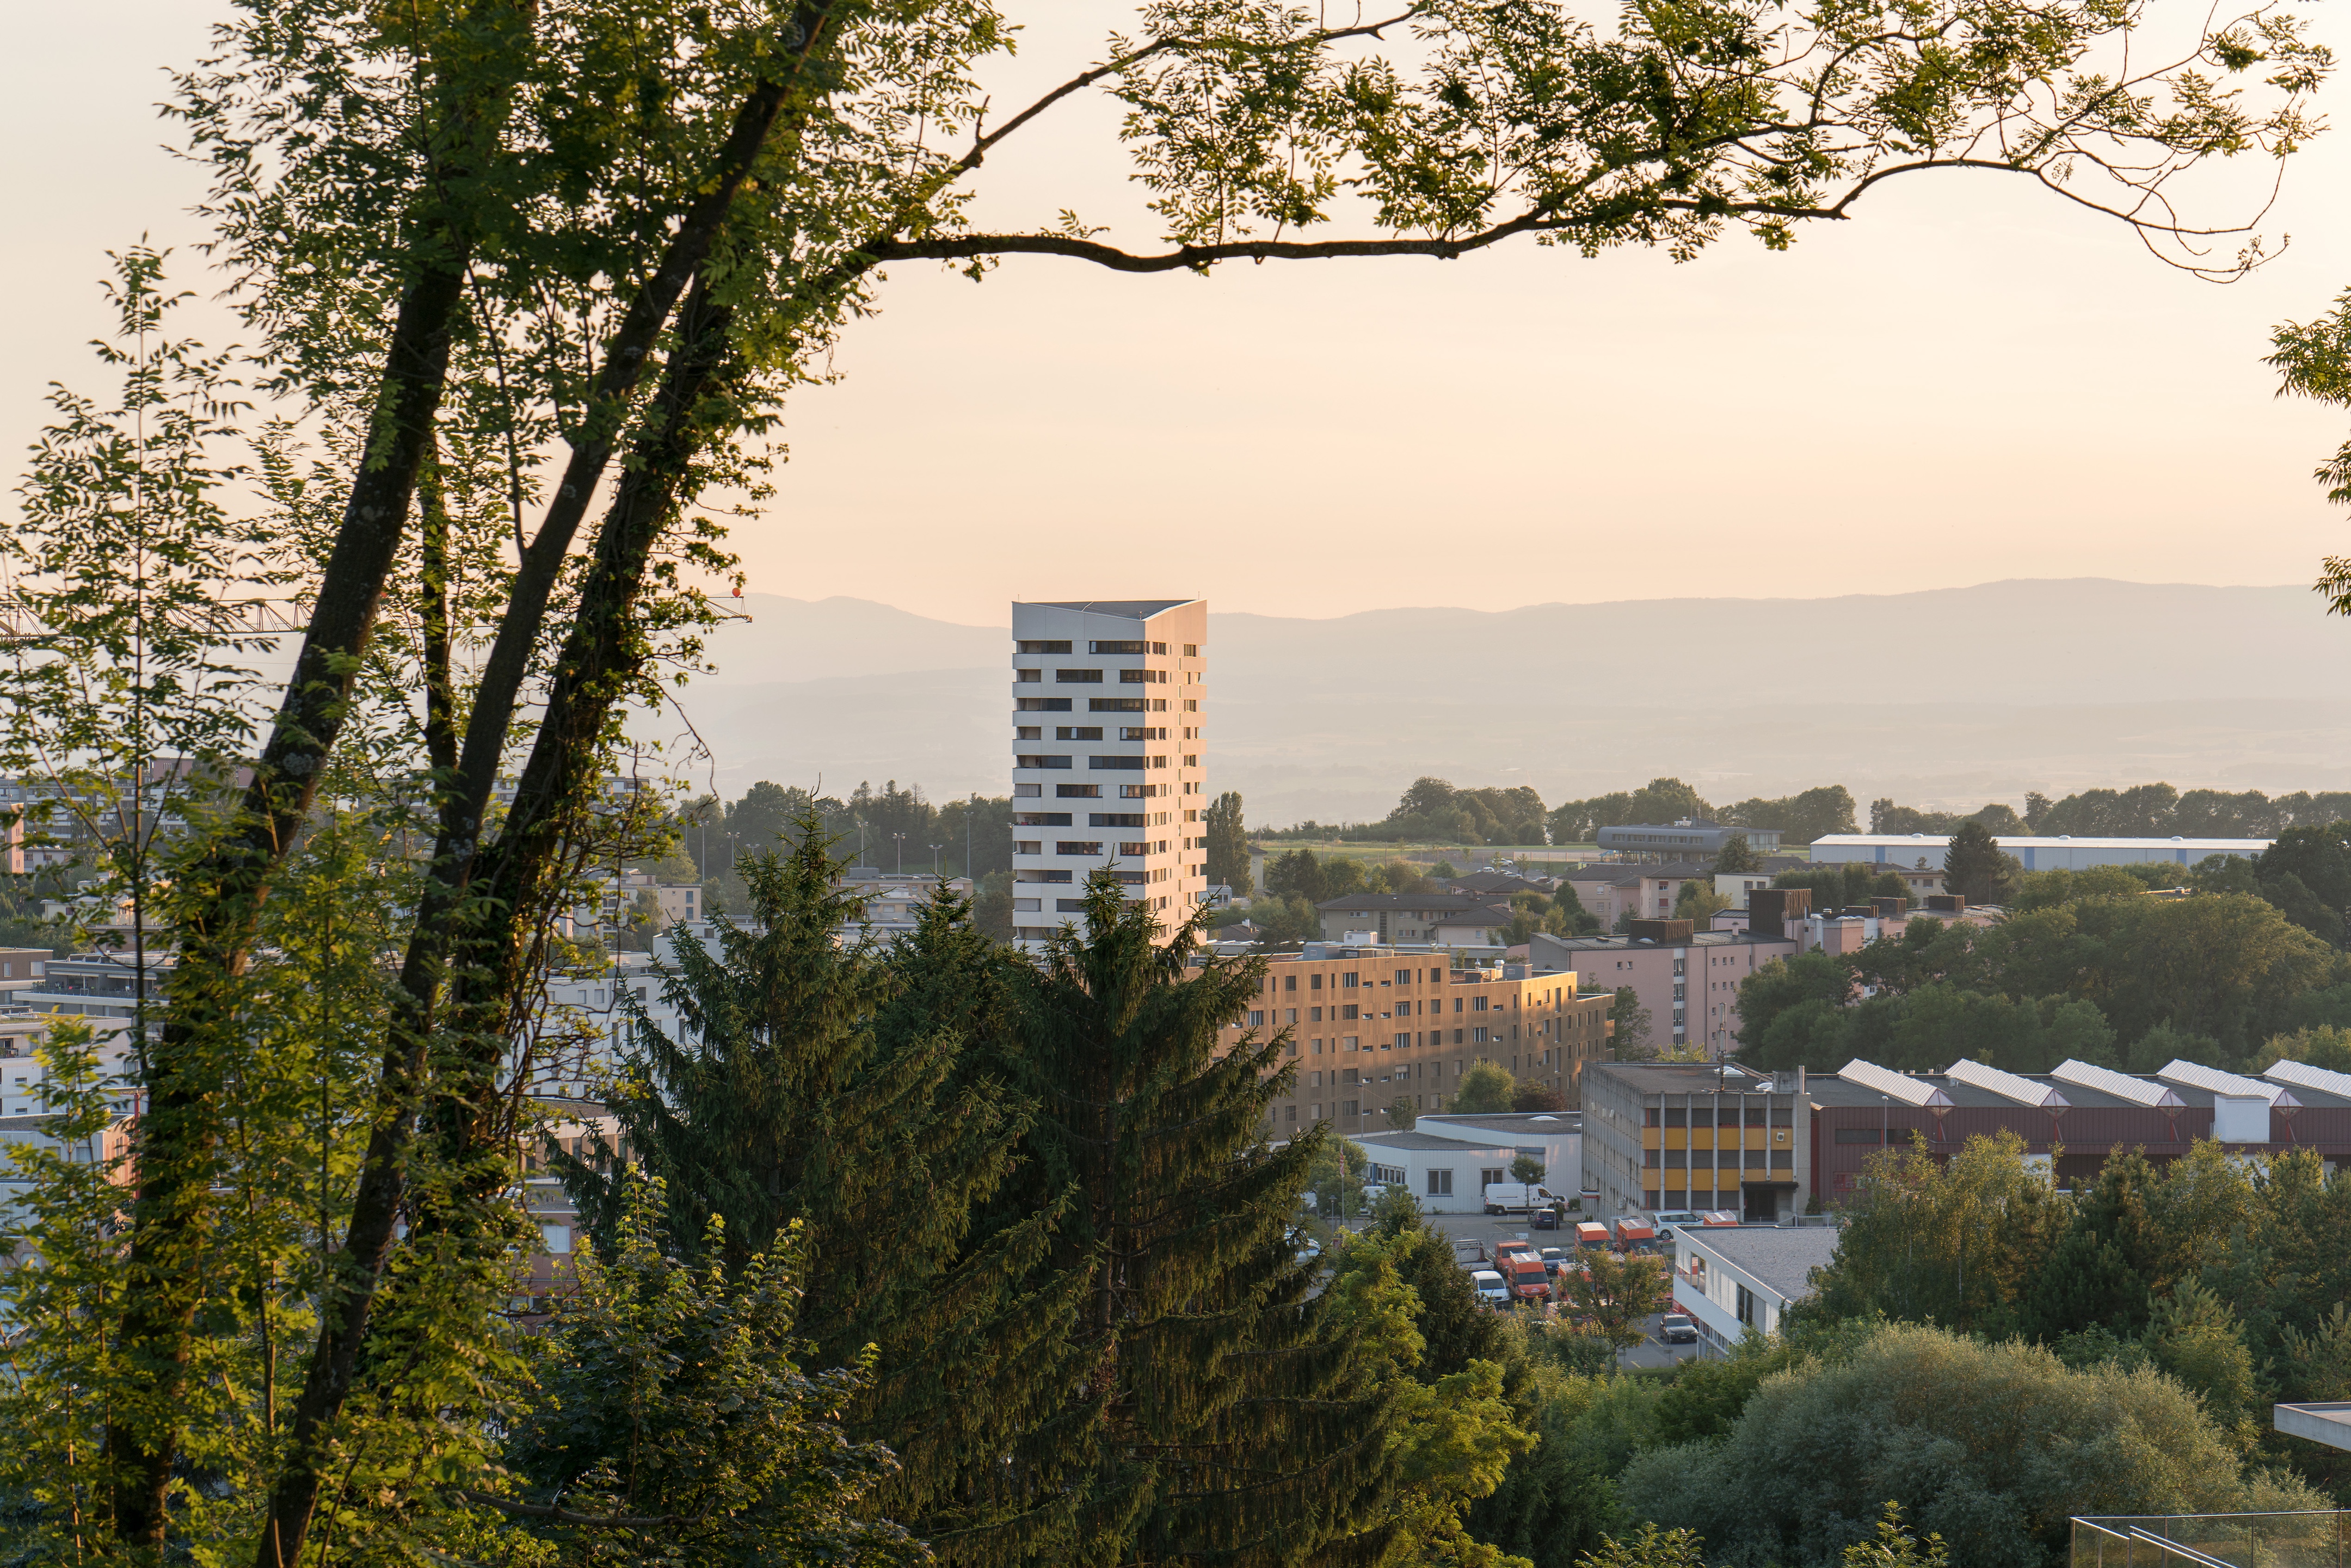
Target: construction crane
20	622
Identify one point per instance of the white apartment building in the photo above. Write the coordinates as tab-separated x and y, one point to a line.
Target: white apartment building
1107	746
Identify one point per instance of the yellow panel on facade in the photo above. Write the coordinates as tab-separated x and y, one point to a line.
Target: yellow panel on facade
1649	1138
1677	1137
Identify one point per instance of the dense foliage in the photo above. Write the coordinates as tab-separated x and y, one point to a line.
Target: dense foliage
2112	978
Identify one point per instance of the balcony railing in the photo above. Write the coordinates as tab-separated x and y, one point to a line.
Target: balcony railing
2313	1539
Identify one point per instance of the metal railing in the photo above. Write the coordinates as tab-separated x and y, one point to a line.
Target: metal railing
2309	1539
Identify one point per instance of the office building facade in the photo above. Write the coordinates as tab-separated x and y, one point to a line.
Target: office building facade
1109	737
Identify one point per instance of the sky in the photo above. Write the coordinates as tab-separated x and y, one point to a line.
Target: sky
1971	381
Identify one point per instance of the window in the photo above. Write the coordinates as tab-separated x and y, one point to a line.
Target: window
1040	819
1404	977
1456	1005
1117	648
1077	847
1348	1011
1114	705
1031	791
1290	983
1191	759
1073	792
1289	1114
1045	648
1477	1004
1030	733
1489	1179
1347	980
1313	1015
1257	1018
1477	1037
1349	1109
1137	791
1314	982
1748	1305
1134	846
1404	1039
1191	650
1036	875
1070	905
1077	733
1138	732
1114	819
1028	846
1113	764
1034	760
1042	704
1078	677
1139	677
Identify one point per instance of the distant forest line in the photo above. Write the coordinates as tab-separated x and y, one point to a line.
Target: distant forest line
1435	810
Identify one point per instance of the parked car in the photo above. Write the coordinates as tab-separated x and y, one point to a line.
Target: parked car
1555	1259
1504	1250
1489	1287
1546	1220
1676	1328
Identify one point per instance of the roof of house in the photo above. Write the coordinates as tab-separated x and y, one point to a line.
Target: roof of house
1438	903
1427	1142
1624	874
1514	1122
1697	940
1483	915
1781	1257
1493	882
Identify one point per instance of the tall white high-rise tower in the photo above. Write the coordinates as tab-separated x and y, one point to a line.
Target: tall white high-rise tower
1106	757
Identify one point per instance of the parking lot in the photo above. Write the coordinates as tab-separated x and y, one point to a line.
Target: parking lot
1489	1229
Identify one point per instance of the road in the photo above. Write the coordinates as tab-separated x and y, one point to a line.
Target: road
1489	1229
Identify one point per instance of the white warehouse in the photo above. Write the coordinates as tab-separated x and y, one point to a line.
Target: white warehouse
1917	850
1447	1176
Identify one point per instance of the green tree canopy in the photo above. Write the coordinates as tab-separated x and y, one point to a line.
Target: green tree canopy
1227	843
1993	1447
1483	1087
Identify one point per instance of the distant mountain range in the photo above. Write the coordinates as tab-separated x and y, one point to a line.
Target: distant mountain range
1946	698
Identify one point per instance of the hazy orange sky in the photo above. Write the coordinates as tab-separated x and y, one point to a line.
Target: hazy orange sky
1971	381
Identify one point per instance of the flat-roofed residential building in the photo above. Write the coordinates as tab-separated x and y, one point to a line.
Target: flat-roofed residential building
1618	890
1925	851
1107	743
1687	980
1372	1025
1687	1135
1410	919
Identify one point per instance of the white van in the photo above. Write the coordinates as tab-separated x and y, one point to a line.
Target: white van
1489	1287
1507	1196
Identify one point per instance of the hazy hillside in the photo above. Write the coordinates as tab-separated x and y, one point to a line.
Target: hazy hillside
1949	697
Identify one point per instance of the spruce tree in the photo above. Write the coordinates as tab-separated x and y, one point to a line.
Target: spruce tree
1223	1415
843	1088
1974	867
2084	1281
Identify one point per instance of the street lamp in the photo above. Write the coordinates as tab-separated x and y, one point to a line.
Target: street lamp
902	852
936	875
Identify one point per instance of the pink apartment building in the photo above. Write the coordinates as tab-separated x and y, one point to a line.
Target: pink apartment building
1687	980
